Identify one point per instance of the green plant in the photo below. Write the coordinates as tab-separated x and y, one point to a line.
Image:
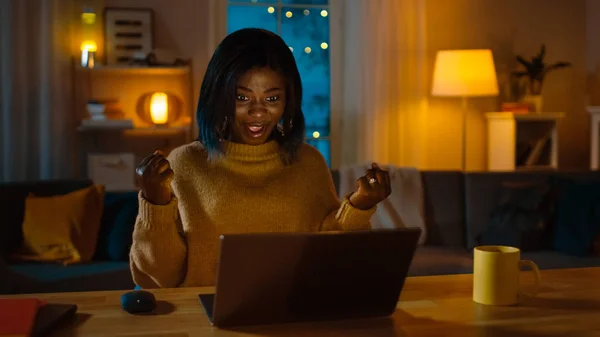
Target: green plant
536	70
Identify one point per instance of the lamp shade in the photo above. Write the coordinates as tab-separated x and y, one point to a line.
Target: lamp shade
464	73
159	108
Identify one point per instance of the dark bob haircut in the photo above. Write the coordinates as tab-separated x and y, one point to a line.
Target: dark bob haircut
239	52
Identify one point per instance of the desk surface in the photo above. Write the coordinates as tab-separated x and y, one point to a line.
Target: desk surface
568	304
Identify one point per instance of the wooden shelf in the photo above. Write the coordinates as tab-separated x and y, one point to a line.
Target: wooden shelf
522	141
138	131
134	70
158	131
548	116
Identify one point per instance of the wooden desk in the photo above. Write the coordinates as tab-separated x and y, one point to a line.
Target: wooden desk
568	304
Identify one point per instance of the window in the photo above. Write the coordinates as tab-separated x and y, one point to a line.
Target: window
304	25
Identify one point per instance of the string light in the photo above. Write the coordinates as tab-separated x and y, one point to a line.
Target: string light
324	13
316	134
307	50
324	45
271	10
288	14
306	12
292	49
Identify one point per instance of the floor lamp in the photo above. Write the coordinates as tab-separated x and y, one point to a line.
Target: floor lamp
464	74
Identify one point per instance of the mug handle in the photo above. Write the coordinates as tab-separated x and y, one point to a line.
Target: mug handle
536	276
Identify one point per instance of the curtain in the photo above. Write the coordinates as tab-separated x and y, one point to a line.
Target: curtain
385	82
36	119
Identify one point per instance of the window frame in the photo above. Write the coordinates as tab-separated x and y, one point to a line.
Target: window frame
217	31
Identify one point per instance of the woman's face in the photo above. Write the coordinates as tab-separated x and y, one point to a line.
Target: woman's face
260	102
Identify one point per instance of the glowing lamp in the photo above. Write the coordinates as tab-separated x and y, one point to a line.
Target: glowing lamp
159	108
89	45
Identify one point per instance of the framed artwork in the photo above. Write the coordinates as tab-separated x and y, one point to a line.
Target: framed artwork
127	31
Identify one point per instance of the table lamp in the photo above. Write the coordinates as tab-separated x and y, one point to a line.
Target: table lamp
464	73
159	108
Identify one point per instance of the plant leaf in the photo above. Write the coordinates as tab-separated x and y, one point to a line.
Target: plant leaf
524	62
559	65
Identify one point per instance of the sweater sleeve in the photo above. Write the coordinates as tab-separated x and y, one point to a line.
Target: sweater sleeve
158	253
347	217
340	215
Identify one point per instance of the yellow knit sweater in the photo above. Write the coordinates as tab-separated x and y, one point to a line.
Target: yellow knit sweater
247	190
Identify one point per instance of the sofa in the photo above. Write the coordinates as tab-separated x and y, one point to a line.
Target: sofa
458	208
109	267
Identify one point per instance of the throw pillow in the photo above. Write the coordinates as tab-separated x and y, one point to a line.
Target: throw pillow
118	222
62	228
577	218
522	219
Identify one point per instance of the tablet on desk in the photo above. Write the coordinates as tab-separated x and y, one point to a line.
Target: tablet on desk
270	278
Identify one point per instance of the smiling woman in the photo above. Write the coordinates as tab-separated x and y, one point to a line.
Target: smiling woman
260	105
251	86
249	170
304	25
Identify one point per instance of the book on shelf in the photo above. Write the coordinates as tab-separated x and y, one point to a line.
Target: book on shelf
107	124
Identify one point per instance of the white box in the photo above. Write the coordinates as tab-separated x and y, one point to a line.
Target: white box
115	171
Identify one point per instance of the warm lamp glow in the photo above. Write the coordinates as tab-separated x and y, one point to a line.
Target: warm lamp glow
89	45
464	73
88	18
159	108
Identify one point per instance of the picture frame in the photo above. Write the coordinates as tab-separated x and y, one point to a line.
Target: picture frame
127	31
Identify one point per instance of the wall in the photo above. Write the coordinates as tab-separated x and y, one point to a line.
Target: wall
182	28
510	27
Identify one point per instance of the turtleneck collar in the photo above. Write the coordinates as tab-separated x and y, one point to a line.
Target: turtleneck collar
254	165
251	153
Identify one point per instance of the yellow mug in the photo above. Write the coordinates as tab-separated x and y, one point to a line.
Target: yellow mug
496	272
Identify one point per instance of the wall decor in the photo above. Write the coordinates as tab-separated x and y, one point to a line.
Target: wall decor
127	32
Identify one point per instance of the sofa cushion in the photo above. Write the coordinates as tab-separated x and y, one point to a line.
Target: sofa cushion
12	206
431	260
62	228
92	276
522	219
577	218
444	208
549	259
483	191
118	221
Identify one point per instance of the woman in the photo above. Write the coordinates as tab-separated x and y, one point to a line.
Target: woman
249	171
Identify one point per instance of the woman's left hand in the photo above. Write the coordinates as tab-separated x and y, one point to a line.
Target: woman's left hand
372	188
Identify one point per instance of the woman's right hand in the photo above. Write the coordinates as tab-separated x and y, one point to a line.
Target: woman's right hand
155	175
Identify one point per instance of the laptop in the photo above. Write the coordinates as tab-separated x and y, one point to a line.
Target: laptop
273	278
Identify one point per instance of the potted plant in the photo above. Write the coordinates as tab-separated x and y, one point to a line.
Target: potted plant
535	72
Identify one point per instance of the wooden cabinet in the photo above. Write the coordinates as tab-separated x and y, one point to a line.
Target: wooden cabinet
594	112
131	134
522	141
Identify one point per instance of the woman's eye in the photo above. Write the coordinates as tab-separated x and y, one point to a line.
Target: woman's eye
242	98
273	98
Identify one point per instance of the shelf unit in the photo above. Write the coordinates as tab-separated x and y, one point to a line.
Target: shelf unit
128	85
522	141
594	112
